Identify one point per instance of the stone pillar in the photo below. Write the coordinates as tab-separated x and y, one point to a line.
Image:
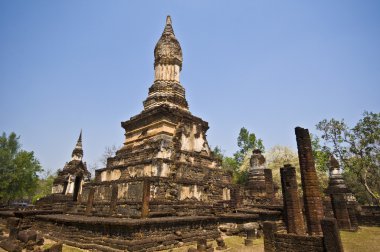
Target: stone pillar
351	207
269	184
221	245
339	193
310	185
269	229
145	199
339	207
293	216
250	236
236	197
90	201
113	199
13	224
201	245
331	236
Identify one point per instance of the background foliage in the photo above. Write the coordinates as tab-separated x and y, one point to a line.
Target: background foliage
18	170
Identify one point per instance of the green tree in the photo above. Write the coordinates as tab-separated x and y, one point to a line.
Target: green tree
358	150
44	186
247	142
321	154
18	169
239	163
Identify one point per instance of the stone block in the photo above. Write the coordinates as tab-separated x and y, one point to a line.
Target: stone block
248	242
11	245
27	235
270	229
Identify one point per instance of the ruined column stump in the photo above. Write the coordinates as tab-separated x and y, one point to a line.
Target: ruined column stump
90	201
293	216
221	245
250	236
201	245
331	235
341	214
269	229
269	185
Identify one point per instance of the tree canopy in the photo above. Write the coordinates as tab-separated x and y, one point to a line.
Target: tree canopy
358	150
238	164
18	169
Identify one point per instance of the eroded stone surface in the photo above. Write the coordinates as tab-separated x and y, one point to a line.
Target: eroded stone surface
310	184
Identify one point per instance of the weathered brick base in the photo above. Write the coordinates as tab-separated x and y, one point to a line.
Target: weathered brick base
115	234
329	242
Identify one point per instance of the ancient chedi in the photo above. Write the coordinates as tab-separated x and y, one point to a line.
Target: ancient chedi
339	195
166	167
68	184
260	187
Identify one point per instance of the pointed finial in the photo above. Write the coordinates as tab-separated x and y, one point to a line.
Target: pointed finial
168	20
168	30
78	151
80	136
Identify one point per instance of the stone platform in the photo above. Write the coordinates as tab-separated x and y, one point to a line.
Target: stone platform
119	234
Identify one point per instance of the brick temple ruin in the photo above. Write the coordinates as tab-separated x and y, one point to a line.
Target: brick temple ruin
307	229
165	188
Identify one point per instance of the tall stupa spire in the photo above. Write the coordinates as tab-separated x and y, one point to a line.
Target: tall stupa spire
167	88
78	150
168	55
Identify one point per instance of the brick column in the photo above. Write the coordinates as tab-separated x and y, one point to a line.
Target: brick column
310	184
269	186
339	206
269	229
145	199
235	197
13	224
90	201
351	207
331	236
293	216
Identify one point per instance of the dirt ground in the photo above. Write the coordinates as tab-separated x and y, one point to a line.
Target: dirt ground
367	239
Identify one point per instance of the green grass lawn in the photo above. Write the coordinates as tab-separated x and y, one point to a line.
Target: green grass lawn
366	239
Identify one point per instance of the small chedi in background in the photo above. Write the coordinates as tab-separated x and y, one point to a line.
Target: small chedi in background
259	188
67	186
340	199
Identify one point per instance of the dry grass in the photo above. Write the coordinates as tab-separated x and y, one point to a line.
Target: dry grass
67	248
236	243
367	239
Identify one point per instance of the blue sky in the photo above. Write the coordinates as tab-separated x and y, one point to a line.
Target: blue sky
266	65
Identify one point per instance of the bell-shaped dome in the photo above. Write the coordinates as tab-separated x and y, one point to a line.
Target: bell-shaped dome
168	49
